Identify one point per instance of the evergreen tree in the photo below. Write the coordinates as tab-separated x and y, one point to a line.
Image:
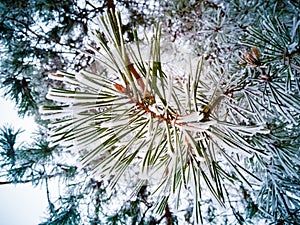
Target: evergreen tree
178	126
192	134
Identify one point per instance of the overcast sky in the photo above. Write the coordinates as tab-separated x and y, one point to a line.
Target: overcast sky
20	204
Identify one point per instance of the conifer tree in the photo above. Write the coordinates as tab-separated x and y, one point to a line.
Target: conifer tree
202	131
191	120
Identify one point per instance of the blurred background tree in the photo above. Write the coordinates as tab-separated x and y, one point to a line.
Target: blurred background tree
257	41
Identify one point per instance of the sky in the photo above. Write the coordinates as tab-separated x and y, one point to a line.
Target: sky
20	204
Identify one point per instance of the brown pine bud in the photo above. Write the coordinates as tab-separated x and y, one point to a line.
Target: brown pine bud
120	88
256	52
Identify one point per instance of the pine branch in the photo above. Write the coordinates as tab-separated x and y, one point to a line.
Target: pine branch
168	215
29	180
